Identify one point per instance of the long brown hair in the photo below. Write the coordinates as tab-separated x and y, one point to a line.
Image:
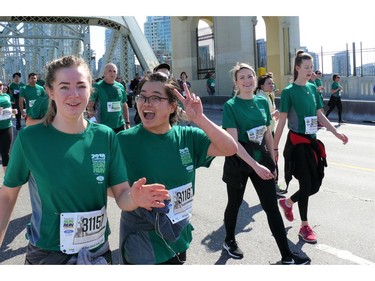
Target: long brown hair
52	68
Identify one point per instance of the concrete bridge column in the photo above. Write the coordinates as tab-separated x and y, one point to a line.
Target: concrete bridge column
235	41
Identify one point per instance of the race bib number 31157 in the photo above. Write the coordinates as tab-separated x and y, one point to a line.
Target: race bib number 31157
82	229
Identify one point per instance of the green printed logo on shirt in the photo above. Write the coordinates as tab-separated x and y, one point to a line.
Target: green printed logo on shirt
98	163
186	159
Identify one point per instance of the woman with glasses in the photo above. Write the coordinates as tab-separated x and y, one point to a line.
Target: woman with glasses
166	153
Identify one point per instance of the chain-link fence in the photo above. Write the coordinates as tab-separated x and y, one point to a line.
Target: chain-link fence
355	59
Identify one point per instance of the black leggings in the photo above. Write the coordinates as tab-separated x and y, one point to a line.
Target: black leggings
268	199
18	115
6	136
337	102
308	184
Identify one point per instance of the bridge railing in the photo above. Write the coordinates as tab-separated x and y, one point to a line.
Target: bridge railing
355	88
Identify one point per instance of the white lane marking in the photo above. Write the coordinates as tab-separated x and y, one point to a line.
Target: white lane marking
343	254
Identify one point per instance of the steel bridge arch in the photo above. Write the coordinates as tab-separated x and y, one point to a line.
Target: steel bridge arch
126	32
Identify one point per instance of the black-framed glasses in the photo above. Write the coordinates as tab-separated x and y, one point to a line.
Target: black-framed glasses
153	100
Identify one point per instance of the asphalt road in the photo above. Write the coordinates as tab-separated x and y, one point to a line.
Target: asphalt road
342	214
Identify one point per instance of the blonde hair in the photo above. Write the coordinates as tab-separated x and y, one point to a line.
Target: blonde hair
238	66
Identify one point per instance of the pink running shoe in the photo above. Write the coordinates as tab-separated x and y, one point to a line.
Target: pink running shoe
307	234
288	212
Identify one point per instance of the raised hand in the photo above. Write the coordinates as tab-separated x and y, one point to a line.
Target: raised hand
192	103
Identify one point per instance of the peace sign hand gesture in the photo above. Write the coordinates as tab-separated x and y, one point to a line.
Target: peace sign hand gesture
192	103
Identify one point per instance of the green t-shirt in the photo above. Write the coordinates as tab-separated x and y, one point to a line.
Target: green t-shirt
31	94
6	114
318	82
41	82
15	89
300	102
40	107
210	82
334	86
170	159
245	115
109	99
65	173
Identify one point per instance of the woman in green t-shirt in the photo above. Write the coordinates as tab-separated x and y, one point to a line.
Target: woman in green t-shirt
70	164
304	155
247	118
166	153
6	126
335	99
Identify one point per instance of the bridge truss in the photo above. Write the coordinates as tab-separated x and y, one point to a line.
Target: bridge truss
28	43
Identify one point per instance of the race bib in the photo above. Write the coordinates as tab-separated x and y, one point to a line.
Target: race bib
6	113
311	125
256	134
181	203
113	106
82	229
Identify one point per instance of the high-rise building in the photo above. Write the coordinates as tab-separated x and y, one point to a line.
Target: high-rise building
315	57
316	60
368	69
262	53
341	63
157	30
